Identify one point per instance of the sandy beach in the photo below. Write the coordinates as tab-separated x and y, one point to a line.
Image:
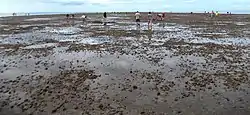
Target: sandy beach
189	64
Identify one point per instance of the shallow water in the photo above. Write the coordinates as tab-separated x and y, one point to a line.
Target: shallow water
223	41
39	46
38	19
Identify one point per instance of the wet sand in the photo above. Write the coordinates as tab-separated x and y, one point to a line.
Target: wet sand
189	64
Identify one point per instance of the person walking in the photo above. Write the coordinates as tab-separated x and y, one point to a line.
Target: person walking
105	18
150	20
84	18
67	16
212	14
137	18
217	13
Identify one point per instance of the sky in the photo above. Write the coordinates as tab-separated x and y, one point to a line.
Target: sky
10	6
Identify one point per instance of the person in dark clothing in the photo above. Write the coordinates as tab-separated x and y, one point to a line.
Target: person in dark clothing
67	16
105	18
73	16
105	14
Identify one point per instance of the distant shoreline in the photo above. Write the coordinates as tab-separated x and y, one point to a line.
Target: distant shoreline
61	13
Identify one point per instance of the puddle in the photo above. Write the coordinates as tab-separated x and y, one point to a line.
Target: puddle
223	41
95	41
40	46
38	19
246	32
63	30
241	23
113	17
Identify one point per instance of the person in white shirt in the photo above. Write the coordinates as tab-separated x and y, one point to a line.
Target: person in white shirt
160	16
150	20
137	18
84	18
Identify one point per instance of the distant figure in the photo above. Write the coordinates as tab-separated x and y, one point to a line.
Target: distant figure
73	16
163	15
212	14
105	18
150	21
14	14
217	14
67	16
227	12
160	16
137	18
84	17
191	12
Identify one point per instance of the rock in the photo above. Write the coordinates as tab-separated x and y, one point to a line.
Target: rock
101	106
76	107
178	112
135	87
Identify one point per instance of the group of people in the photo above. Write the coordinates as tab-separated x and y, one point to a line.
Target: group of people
68	16
150	18
215	14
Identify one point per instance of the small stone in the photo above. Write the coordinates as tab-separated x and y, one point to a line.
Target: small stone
135	87
4	65
100	106
178	112
53	111
158	93
142	113
76	107
26	100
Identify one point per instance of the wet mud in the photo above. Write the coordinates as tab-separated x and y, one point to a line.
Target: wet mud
189	64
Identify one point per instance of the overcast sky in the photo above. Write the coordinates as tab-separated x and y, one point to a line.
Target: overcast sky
9	6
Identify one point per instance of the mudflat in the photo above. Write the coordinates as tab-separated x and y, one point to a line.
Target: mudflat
189	64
